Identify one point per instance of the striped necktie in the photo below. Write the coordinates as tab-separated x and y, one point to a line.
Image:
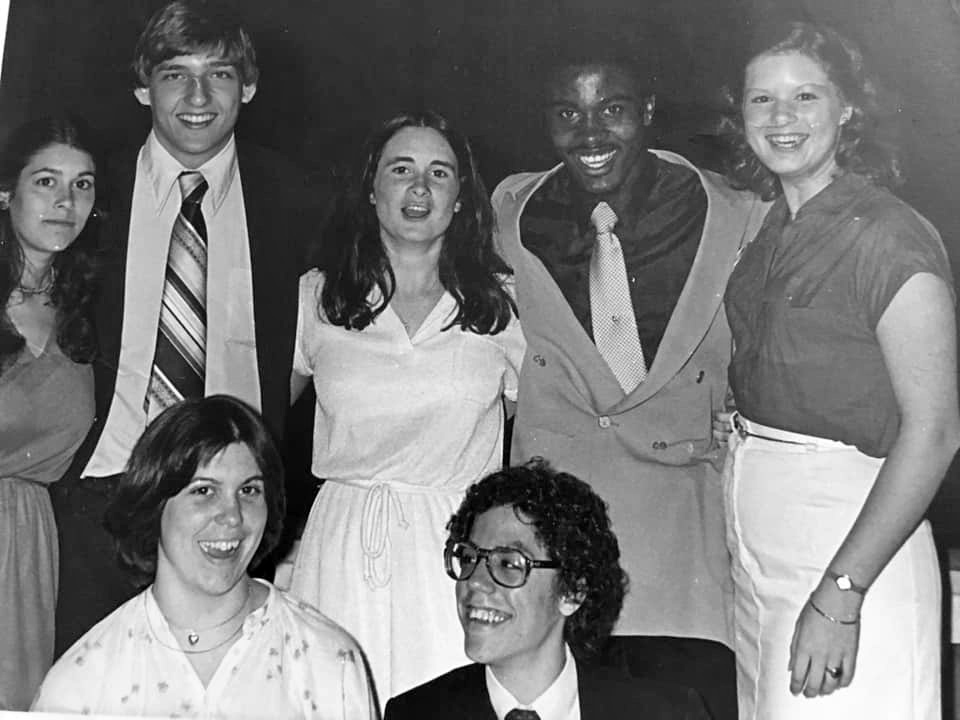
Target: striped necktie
611	309
179	363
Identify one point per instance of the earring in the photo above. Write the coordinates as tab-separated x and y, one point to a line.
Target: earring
373	200
456	206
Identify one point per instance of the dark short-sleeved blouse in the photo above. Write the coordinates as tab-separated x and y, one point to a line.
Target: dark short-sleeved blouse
803	304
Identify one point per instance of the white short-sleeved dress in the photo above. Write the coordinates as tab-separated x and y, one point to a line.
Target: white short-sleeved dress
403	426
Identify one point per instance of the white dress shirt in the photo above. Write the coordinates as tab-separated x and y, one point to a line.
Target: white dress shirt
231	344
560	701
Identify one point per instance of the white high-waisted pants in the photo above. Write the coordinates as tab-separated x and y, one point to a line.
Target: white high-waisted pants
788	508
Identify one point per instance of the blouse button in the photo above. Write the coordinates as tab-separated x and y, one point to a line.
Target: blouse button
604	421
538	359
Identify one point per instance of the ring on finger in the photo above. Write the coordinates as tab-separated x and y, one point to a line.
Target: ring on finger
834	672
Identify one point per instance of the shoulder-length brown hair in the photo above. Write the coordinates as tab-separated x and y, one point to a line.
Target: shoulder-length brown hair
860	150
165	459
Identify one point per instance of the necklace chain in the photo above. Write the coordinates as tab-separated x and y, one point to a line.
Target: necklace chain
43	288
193	636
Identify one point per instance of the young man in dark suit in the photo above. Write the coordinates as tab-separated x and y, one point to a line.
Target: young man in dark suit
538	588
204	245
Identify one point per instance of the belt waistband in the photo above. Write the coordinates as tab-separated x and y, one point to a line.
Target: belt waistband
748	428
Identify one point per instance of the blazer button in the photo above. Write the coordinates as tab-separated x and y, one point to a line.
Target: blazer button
538	359
700	377
659	445
604	421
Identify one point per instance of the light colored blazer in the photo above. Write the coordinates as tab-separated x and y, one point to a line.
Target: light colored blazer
651	454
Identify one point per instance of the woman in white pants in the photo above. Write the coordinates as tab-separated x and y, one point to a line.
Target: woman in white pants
844	375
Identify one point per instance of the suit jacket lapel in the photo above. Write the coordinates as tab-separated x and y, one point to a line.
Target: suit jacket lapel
268	267
474	700
724	232
122	169
543	306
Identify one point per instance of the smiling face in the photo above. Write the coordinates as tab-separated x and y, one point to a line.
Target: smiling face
516	631
52	200
210	530
416	187
792	115
597	121
195	101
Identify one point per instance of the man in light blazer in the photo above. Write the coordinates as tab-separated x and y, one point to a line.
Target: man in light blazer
538	588
647	448
195	68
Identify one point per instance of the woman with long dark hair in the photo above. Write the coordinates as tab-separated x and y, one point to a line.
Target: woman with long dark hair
47	192
410	333
845	377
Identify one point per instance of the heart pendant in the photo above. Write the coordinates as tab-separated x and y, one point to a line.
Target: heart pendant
193	638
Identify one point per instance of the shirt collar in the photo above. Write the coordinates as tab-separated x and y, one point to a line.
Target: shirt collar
555	703
562	190
162	169
834	199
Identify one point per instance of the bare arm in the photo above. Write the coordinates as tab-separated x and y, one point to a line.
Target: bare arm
918	340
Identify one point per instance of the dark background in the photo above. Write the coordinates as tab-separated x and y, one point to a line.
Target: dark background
333	70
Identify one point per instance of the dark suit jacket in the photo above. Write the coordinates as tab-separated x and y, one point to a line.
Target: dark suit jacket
605	694
282	220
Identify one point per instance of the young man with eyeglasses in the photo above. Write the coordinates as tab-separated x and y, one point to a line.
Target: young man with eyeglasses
538	588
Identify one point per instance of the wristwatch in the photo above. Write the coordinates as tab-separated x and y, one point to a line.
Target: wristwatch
845	583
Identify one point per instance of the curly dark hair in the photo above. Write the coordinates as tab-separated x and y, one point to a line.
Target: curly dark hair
860	150
184	27
73	268
469	266
571	522
164	461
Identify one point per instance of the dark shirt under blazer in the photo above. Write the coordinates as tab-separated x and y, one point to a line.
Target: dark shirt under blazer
659	231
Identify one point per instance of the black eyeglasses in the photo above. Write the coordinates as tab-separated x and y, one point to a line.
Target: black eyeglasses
508	567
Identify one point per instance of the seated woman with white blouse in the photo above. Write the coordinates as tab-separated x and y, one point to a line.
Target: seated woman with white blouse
410	334
201	500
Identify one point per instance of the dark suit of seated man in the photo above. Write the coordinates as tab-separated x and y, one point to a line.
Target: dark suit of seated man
538	589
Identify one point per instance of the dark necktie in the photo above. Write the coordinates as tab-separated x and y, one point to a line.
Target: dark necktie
179	364
518	714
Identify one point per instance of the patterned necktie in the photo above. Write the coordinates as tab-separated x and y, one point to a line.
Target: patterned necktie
518	714
180	360
611	309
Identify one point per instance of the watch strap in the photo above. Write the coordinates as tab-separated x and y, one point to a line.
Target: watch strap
842	579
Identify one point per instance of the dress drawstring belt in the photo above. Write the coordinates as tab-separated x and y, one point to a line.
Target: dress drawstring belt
383	497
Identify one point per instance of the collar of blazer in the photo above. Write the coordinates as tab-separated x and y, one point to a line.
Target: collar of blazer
733	217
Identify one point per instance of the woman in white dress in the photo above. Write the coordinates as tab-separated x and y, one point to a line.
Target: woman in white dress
412	339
